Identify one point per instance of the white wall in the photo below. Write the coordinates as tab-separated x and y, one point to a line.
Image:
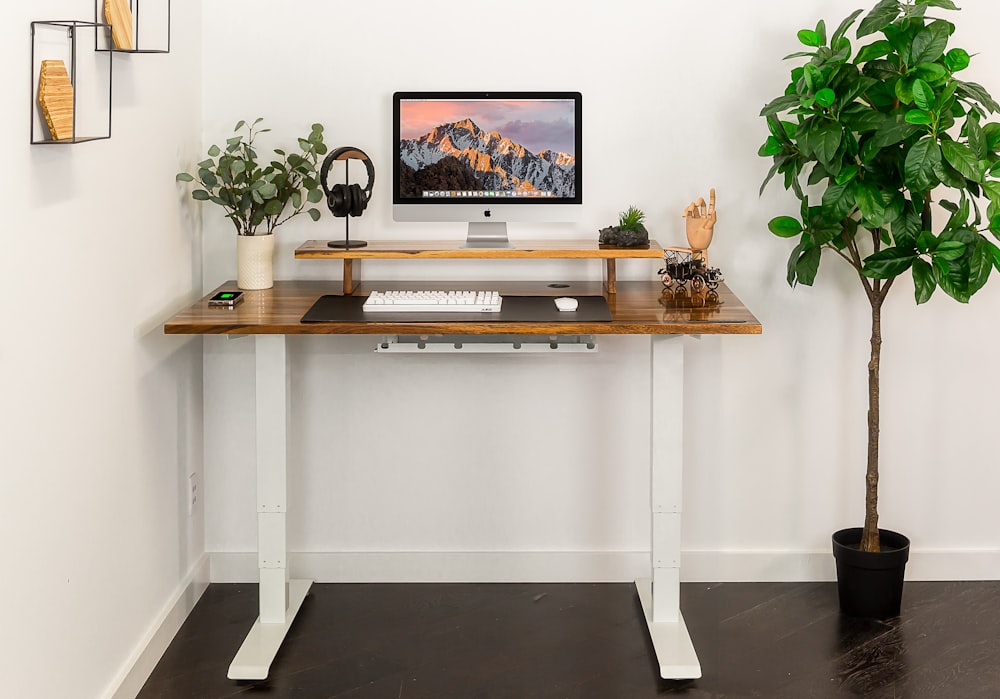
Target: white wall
101	413
775	424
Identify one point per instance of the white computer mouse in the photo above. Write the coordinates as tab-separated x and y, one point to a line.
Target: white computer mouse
565	303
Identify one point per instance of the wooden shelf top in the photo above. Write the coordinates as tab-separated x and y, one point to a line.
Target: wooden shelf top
638	308
450	249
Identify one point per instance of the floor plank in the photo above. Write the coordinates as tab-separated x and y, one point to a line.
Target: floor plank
552	641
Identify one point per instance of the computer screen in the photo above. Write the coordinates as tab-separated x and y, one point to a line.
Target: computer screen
487	158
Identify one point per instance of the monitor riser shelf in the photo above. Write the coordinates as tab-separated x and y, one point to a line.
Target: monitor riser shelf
453	249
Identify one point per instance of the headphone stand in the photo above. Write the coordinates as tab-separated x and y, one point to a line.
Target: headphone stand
347	243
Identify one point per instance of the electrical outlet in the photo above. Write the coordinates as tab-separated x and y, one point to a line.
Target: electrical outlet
192	493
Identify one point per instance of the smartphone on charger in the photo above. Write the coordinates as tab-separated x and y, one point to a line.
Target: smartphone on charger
226	298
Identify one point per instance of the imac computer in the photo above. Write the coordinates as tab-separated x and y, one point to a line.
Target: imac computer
487	158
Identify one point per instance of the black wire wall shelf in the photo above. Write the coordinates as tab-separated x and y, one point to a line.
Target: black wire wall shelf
55	41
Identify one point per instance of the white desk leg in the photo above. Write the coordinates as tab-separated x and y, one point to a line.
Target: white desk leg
280	598
660	596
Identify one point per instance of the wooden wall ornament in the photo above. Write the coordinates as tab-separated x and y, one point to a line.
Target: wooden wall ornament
119	16
55	96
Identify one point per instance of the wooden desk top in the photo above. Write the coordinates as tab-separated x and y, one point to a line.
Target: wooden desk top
639	308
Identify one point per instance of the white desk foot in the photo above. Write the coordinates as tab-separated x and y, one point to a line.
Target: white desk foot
671	641
253	660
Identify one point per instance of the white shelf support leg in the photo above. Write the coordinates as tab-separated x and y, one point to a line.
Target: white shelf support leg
280	598
660	595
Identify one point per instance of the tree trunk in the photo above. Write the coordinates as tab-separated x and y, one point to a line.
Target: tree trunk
869	537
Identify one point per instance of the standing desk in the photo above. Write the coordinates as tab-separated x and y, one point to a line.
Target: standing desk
638	308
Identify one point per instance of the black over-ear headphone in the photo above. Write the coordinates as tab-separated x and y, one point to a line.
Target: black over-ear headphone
347	199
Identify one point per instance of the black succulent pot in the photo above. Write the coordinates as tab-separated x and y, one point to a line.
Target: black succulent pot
614	235
870	584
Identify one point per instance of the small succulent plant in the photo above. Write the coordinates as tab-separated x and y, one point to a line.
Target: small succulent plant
631	219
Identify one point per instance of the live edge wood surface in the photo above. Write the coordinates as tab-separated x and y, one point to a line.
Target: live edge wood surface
638	308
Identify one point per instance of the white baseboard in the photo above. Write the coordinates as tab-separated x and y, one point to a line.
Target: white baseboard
150	649
461	566
819	566
590	566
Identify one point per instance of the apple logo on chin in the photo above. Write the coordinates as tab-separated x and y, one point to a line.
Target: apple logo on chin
487	213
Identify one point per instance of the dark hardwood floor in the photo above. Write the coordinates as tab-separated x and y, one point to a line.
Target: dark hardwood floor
549	641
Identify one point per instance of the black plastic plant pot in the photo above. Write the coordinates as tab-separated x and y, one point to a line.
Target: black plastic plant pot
870	584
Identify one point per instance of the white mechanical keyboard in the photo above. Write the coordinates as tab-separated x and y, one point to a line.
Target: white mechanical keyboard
433	302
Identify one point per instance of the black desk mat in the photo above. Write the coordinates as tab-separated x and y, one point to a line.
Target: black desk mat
515	309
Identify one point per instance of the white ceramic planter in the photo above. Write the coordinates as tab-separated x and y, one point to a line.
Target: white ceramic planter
255	261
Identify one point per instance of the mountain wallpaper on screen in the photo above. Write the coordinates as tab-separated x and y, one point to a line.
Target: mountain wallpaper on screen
461	156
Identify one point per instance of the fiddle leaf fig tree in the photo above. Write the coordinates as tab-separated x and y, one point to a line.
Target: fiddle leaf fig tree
874	140
257	194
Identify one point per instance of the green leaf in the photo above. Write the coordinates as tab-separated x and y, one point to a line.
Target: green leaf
880	17
838	200
200	195
949	176
781	104
977	92
918	170
946	4
869	201
809	38
923	95
184	177
785	226
893	130
296	200
239	125
926	242
919	116
963	160
813	77
821	32
825	141
904	89
992	190
952	279
974	133
956	60
906	228
826	97
888	263
844	26
930	42
923	281
949	250
995	253
793	259
808	265
875	50
273	207
314	214
881	69
770	175
214	151
846	174
980	265
932	73
315	196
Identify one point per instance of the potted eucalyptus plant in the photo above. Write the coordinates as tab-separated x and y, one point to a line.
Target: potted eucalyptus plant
259	196
874	140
